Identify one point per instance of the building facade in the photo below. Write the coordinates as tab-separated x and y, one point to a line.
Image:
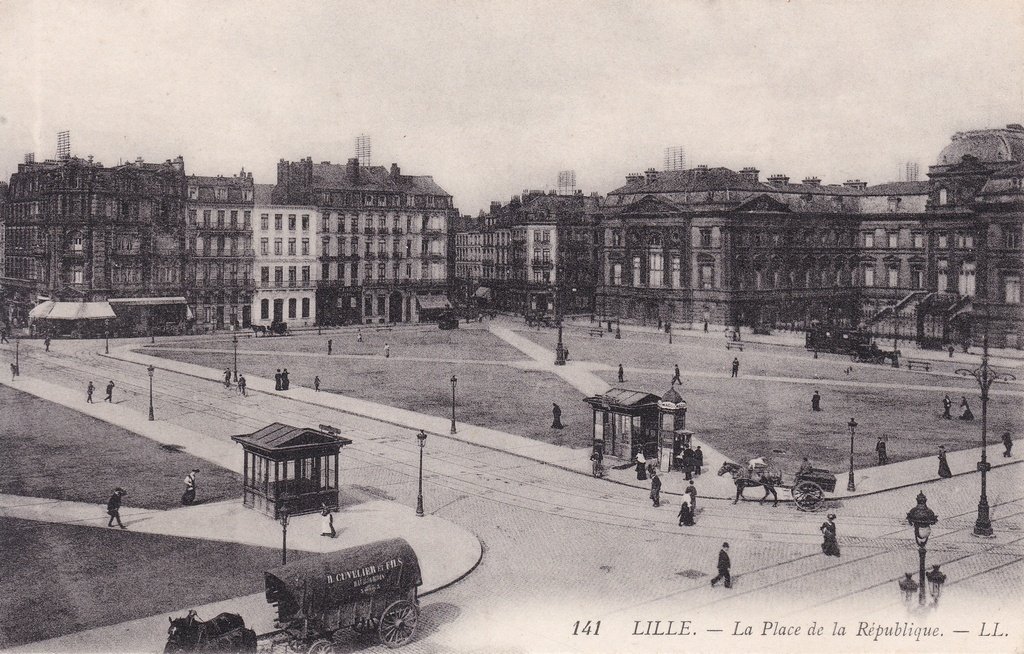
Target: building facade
286	261
78	230
384	240
219	235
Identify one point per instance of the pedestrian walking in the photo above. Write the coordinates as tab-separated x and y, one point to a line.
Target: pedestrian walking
597	457
883	457
241	385
947	405
330	346
723	567
189	496
1007	443
951	349
676	379
556	416
227	378
691	490
656	489
359	335
285	382
110	392
3	336
114	507
46	343
698	461
387	351
622	374
705	326
641	467
830	546
327	522
735	366
14	371
685	514
316	383
965	409
88	392
688	463
816	401
277	380
944	470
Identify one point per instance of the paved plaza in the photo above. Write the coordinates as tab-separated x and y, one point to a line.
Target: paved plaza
545	544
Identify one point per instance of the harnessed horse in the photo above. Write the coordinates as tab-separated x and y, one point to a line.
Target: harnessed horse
224	633
742	477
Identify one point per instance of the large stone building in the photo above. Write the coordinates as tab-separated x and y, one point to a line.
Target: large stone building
384	239
528	255
75	229
287	261
219	232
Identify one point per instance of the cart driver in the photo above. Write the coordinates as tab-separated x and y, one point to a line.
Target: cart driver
805	468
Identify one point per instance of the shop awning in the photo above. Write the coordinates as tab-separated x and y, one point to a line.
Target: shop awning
147	301
433	302
74	311
41	310
483	292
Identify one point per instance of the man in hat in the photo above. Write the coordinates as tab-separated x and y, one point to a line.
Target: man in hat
285	383
947	404
883	458
110	392
316	383
189	496
805	468
114	507
1007	443
622	374
277	380
655	489
676	379
816	401
241	384
88	392
227	378
723	567
46	343
330	346
735	366
698	461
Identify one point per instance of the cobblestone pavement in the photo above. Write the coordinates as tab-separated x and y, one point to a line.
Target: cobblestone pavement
561	547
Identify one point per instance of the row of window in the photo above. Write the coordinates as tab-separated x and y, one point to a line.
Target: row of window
221	193
350	247
278	245
222	219
293	221
220	245
435	222
382	271
292	308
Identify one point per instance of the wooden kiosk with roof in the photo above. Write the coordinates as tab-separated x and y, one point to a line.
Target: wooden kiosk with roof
290	469
625	422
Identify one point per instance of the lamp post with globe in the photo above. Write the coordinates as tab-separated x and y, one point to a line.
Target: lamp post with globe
922	518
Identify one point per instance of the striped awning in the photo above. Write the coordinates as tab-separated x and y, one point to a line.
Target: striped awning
72	311
433	302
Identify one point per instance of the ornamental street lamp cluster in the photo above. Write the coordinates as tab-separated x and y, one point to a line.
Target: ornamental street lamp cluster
922	518
985	376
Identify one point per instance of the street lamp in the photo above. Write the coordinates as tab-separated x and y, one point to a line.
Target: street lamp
106	341
422	438
908	587
454	382
935	581
922	518
985	377
283	517
850	486
151	370
560	348
234	343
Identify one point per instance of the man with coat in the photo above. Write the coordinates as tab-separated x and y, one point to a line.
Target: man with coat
688	463
1007	443
676	379
947	405
556	416
723	567
277	380
622	375
883	458
114	507
110	392
189	496
698	461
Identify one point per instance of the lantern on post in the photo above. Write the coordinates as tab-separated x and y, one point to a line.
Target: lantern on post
922	518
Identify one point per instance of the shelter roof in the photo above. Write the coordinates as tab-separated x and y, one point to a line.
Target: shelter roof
279	437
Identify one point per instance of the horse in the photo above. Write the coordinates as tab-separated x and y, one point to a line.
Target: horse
224	633
741	477
259	330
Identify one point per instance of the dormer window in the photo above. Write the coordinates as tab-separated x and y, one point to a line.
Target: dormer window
247	195
221	193
193	192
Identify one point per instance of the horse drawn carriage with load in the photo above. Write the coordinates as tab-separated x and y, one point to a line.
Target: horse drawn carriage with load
808	488
371	588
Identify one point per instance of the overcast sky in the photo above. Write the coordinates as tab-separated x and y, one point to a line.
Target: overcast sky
494	97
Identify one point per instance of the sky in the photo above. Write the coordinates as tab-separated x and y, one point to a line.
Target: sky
491	98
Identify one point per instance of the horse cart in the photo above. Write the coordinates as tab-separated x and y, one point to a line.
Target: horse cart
808	488
224	633
370	588
873	354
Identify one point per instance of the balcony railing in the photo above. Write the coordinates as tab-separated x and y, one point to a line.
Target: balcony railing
368	231
542	263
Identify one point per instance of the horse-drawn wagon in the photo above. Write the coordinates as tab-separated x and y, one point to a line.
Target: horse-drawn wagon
808	488
369	588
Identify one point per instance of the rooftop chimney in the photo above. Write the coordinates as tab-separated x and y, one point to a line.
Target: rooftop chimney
495	206
778	180
651	175
811	181
750	173
633	178
395	170
855	183
352	168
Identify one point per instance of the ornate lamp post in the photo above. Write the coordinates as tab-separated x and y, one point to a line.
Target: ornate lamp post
850	486
283	517
422	438
935	581
106	338
454	382
560	348
908	587
234	343
151	370
985	377
922	518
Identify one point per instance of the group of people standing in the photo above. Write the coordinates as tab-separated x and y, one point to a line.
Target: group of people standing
281	381
965	408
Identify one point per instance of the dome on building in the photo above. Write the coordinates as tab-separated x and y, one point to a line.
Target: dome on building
986	145
672	400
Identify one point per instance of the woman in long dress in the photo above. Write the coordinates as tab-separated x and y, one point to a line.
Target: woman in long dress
641	467
830	546
327	522
944	471
965	410
685	514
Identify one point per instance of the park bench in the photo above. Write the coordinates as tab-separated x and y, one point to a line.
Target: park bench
734	345
597	332
920	363
382	328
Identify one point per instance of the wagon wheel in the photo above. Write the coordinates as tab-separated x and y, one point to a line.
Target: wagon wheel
398	623
808	495
321	646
